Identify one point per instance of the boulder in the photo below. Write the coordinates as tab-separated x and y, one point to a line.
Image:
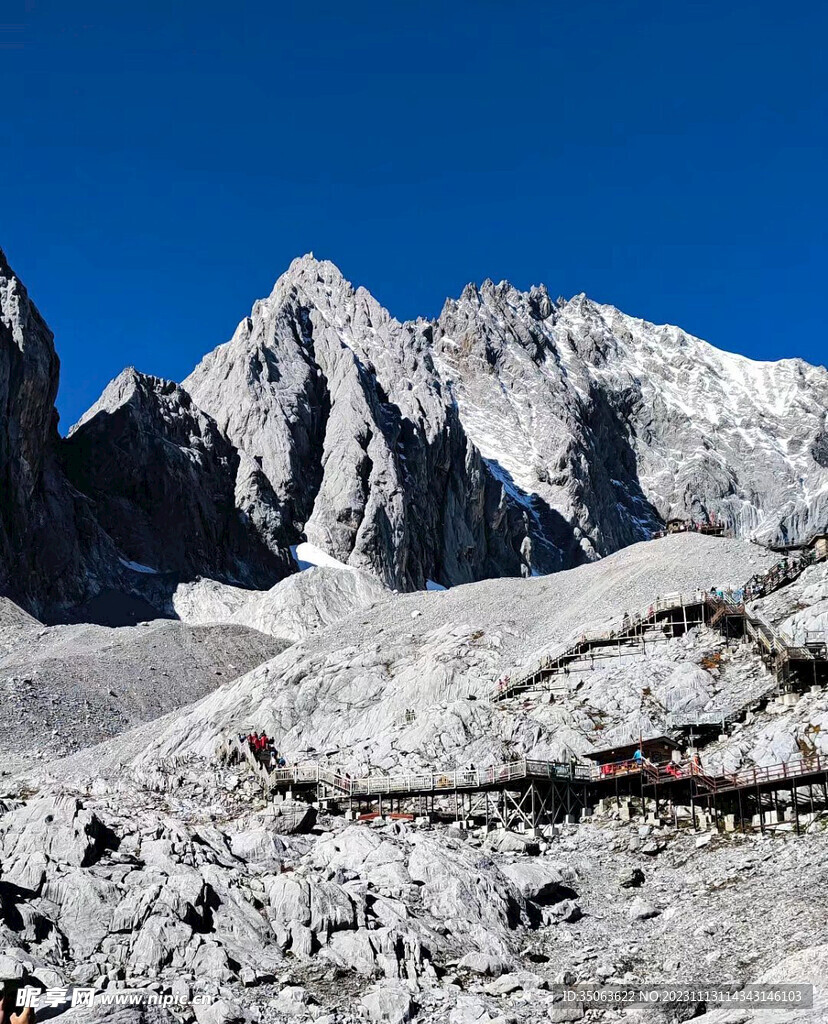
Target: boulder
482	963
514	982
292	1001
388	1003
291	817
641	910
536	880
512	842
221	1012
631	878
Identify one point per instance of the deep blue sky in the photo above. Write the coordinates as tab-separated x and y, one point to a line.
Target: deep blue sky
163	163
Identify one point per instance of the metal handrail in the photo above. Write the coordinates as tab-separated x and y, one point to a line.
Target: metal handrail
724	602
626	630
436	780
478	778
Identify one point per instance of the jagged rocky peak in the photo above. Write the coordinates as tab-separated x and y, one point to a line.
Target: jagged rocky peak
342	408
51	550
618	423
512	434
594	426
131	386
163	479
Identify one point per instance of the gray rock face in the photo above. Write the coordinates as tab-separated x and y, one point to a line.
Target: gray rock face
614	423
344	412
512	435
163	479
51	549
593	428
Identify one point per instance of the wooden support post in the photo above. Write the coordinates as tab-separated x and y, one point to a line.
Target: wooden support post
795	802
741	816
759	808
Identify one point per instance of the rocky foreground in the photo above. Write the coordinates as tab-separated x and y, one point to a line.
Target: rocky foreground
186	881
143	863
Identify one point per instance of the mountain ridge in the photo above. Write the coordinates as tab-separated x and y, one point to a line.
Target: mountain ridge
596	359
511	435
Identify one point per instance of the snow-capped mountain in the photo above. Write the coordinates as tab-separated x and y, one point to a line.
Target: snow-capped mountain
595	426
615	422
512	435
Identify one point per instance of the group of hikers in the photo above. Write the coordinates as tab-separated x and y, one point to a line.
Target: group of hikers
264	748
786	568
637	762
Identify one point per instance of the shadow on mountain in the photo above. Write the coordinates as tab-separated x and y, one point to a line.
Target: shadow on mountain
554	542
111	608
611	491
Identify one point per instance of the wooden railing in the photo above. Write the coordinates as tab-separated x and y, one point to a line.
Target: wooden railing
678	719
446	780
334	782
747	778
719	603
629	629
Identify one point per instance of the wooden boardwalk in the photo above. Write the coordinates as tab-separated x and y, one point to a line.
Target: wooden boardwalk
670	616
530	793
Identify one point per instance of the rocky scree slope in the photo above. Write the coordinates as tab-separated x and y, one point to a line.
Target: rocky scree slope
66	687
345	691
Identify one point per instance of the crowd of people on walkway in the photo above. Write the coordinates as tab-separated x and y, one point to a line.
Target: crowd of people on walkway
715	526
263	748
781	572
639	761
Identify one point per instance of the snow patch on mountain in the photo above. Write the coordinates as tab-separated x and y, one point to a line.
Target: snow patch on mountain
308	555
291	610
